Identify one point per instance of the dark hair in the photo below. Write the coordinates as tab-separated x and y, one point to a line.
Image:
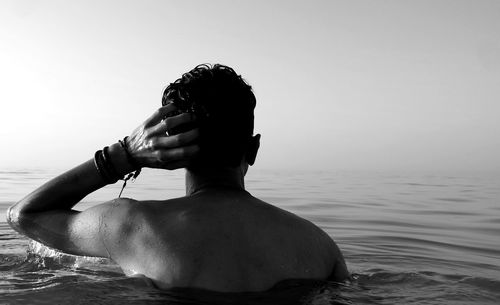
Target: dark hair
223	104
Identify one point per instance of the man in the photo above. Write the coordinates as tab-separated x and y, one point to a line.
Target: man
218	237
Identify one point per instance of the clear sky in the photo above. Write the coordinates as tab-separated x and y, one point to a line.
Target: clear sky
376	85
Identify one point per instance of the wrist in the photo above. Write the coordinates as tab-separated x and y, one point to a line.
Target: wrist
120	160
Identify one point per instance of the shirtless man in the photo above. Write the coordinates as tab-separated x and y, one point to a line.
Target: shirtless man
218	237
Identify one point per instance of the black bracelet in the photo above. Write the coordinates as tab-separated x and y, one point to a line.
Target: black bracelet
97	166
104	168
109	164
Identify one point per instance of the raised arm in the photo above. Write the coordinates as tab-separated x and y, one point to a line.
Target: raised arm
46	214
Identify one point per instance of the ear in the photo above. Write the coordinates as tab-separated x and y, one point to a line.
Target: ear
253	147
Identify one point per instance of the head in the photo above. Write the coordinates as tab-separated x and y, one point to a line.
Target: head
223	104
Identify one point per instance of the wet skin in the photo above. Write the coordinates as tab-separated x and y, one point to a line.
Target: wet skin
221	239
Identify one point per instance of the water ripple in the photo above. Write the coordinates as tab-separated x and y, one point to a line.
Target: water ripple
409	239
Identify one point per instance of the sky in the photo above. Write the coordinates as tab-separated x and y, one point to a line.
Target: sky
340	85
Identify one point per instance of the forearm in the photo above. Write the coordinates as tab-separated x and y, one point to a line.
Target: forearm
66	190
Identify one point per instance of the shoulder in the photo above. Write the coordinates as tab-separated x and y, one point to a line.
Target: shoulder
124	218
120	223
118	215
120	207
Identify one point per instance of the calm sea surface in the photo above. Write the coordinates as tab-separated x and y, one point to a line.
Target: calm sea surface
408	238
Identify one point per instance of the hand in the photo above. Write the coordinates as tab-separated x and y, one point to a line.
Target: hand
150	144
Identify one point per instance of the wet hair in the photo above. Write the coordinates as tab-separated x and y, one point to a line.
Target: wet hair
223	104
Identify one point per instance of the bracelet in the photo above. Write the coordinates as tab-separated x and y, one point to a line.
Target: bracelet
98	166
133	175
106	169
104	166
109	164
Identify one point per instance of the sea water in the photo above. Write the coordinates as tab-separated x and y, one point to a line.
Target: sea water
408	238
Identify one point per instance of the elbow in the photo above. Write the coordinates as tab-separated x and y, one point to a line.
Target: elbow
13	218
17	215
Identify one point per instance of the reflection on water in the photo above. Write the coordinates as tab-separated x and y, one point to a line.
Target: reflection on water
407	238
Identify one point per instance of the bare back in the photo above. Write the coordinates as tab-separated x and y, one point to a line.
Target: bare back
223	241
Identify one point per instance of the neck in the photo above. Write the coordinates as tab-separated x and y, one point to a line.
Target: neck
212	179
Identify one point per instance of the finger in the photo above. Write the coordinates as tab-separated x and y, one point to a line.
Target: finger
176	164
178	140
177	154
167	126
174	121
159	114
